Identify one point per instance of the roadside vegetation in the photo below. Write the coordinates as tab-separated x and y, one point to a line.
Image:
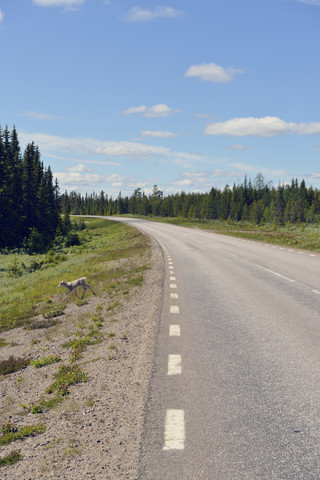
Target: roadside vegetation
28	291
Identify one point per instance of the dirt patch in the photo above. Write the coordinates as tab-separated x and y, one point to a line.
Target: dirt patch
96	431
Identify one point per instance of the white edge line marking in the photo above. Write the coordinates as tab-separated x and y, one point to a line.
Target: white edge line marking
316	291
174	331
174	295
174	309
174	433
174	365
274	273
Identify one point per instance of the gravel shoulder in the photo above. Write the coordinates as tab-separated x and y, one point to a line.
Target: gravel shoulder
96	431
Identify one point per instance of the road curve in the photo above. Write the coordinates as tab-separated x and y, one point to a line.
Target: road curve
235	392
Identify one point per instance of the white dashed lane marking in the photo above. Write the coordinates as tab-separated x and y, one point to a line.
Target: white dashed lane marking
174	434
174	331
174	295
173	285
174	309
174	364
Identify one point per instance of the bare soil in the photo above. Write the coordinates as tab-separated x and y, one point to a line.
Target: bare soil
96	431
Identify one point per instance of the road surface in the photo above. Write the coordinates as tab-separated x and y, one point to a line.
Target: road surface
235	392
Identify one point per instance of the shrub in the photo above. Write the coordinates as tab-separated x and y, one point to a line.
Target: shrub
55	313
13	364
72	239
42	324
10	459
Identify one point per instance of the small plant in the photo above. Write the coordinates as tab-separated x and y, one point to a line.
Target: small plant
89	402
3	343
10	459
22	433
55	313
13	364
77	354
34	407
111	335
8	427
66	376
44	361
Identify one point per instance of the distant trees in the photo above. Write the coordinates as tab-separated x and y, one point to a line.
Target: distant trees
256	201
29	209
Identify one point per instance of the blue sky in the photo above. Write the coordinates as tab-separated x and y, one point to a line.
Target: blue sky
120	94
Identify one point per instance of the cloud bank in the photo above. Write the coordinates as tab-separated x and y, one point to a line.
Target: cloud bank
260	127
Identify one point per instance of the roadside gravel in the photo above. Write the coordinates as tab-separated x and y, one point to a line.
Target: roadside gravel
96	432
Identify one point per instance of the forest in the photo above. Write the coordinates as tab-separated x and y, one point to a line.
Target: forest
34	216
255	201
29	198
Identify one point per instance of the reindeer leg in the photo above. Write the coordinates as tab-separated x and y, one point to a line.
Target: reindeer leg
90	288
84	291
75	291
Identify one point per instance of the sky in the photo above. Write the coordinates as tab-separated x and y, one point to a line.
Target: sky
183	94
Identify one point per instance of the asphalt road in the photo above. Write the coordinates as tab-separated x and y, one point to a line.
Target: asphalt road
235	392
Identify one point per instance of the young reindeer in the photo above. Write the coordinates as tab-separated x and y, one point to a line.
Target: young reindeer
80	282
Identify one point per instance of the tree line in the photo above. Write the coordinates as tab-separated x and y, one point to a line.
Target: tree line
29	198
255	201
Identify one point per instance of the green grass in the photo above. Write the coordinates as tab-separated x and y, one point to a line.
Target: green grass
102	242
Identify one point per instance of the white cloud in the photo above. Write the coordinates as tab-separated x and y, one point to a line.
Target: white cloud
53	143
261	127
137	14
1	16
80	168
68	159
158	134
201	180
40	116
58	3
210	72
85	181
160	110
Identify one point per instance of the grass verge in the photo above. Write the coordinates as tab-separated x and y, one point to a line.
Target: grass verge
33	292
